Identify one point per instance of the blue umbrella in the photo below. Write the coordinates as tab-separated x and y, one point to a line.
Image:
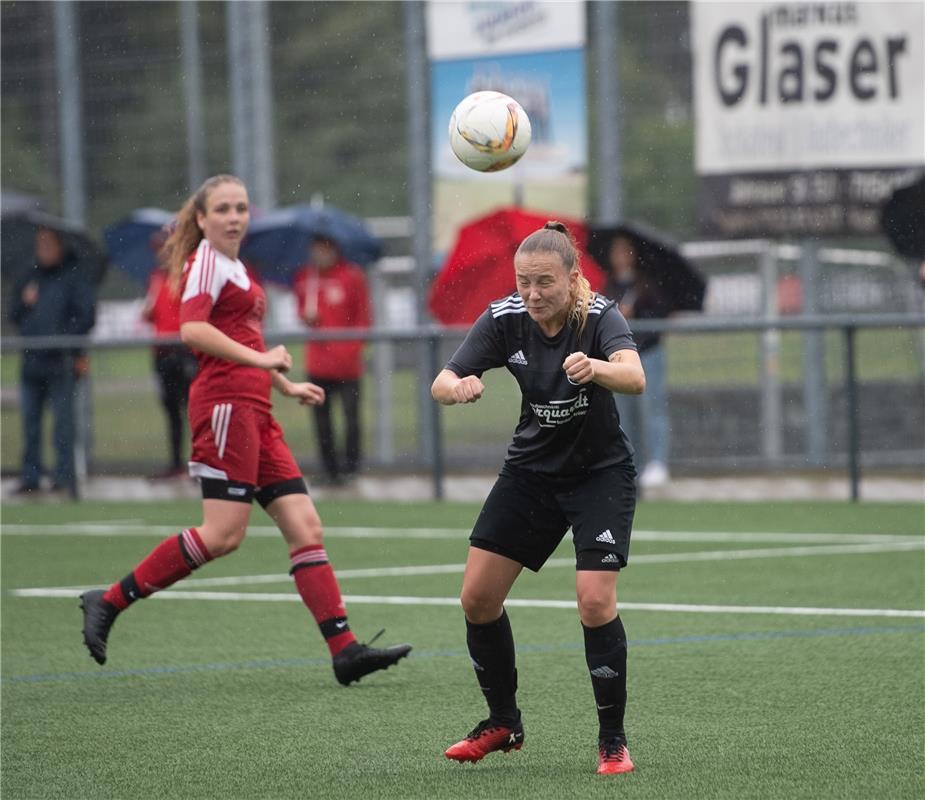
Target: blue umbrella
277	243
129	241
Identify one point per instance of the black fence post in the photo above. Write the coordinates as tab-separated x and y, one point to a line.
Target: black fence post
851	396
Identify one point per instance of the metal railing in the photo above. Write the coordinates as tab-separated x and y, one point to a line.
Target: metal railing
430	338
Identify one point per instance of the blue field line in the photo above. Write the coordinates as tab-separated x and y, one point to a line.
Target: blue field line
523	649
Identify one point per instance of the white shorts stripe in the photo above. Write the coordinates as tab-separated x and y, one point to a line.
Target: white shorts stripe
226	421
200	470
218	416
221	418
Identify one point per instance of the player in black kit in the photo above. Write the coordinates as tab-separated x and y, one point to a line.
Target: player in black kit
569	464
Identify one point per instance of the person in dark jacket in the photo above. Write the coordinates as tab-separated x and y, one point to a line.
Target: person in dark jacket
52	298
646	423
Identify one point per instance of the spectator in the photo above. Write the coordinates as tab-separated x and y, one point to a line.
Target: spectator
645	420
174	364
52	298
332	293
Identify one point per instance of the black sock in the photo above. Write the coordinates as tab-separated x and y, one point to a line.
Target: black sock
491	648
605	652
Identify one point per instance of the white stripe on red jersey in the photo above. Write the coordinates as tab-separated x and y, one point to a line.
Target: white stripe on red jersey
220	291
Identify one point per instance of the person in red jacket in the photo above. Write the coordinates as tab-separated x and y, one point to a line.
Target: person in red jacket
174	364
332	293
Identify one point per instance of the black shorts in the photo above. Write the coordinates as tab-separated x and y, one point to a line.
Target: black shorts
526	515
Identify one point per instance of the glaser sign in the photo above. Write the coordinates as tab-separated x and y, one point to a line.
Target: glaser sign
871	66
807	113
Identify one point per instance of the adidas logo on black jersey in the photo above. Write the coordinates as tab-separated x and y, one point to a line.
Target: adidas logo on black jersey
606	536
518	358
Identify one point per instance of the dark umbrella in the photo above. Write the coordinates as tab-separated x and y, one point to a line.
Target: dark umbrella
658	259
480	267
277	243
19	225
17	234
902	219
17	203
131	242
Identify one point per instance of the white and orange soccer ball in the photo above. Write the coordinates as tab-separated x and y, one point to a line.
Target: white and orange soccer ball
489	131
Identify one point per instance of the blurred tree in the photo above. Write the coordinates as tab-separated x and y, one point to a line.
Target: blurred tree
25	168
656	115
339	88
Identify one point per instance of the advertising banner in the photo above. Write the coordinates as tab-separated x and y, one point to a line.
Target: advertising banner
534	52
808	115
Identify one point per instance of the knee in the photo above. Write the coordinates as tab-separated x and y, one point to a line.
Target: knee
312	531
307	533
222	541
596	607
480	606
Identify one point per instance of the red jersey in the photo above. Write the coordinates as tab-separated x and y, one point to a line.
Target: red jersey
162	305
224	293
338	298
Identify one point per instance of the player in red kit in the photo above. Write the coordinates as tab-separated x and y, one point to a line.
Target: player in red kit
238	451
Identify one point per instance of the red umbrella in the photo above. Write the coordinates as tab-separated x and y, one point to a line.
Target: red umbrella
480	268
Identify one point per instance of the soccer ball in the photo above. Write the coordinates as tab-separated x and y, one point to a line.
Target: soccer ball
489	131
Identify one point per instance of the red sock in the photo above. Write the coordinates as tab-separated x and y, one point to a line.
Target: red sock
173	559
317	585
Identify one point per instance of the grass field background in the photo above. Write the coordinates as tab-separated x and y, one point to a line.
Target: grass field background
811	686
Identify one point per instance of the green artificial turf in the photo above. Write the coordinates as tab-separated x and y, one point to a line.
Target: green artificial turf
234	698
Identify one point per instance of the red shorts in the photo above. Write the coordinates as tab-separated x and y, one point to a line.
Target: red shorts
239	442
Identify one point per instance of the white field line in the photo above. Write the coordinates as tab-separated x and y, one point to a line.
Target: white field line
451	569
260	531
399	600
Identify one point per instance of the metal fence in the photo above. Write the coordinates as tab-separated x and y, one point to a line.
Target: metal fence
875	405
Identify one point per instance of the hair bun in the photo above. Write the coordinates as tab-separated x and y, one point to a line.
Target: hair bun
555	225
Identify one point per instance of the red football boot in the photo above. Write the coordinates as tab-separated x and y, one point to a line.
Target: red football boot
486	738
613	758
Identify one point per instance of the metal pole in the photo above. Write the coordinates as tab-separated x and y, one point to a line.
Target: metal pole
239	72
83	433
433	351
192	92
262	104
383	365
814	382
70	122
605	29
419	177
771	405
851	396
73	195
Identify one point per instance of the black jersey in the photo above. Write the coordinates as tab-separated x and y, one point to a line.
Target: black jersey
564	428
